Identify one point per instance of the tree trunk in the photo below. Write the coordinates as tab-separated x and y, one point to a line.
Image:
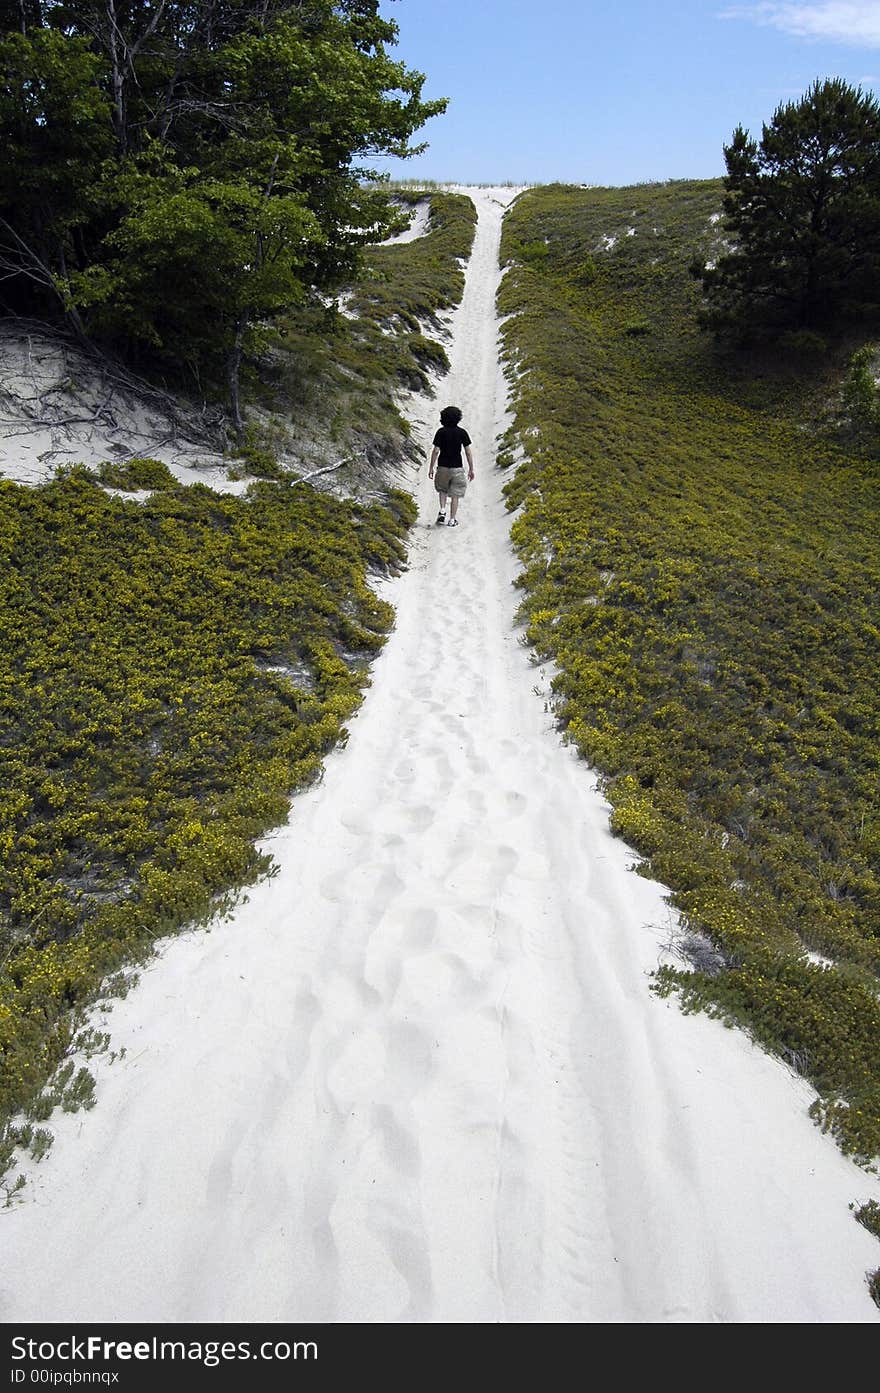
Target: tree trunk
233	375
810	309
117	77
71	312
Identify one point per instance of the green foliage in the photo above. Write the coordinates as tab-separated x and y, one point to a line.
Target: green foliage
71	1089
136	474
260	461
804	342
703	571
172	670
35	1140
860	396
868	1215
41	1143
10	1190
55	133
803	214
174	175
533	253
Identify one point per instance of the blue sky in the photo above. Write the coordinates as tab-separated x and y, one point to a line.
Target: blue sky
598	92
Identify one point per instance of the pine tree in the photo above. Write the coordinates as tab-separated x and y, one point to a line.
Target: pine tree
802	216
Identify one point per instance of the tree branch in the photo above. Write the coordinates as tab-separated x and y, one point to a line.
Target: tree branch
328	469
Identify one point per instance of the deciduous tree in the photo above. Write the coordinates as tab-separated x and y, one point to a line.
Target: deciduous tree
190	167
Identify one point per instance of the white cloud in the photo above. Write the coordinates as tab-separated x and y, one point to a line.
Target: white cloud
855	22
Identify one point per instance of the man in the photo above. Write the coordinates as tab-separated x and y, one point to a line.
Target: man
448	444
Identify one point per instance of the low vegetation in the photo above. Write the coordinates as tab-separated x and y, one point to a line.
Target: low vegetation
699	543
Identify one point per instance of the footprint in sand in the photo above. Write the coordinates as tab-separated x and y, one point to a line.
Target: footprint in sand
503	859
388	887
420	929
421	817
355	1068
409	1060
404	773
305	1012
466	985
398	1142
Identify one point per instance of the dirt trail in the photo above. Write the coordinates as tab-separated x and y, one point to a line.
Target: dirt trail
420	1076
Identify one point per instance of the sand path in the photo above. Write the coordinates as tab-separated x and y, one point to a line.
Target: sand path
420	1076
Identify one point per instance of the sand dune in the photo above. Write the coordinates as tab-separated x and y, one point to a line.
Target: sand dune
418	225
419	1076
60	407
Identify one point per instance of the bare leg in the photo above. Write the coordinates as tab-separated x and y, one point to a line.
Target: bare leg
453	506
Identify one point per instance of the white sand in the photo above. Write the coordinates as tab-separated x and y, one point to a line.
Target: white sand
418	227
420	1076
57	408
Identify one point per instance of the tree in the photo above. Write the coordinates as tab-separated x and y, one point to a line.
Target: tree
211	173
56	135
803	216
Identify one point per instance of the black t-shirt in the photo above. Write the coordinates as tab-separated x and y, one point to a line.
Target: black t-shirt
449	440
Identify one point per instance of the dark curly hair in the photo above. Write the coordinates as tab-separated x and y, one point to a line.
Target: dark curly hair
450	416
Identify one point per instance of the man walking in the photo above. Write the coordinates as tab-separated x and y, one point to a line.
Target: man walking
448	444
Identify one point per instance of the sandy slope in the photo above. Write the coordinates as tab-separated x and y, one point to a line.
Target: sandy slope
418	225
58	407
420	1075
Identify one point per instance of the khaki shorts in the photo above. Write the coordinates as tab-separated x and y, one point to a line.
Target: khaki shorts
451	481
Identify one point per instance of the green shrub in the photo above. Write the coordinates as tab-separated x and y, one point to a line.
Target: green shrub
868	1215
261	463
533	253
136	474
803	341
860	395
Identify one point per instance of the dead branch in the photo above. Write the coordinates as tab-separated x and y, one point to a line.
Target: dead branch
328	469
